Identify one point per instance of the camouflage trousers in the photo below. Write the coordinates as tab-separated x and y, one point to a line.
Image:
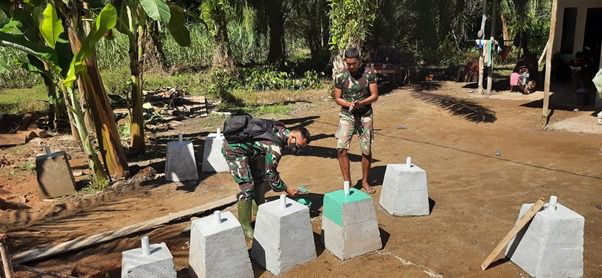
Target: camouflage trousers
350	124
247	170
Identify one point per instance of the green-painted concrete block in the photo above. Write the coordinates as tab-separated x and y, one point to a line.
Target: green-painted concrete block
334	201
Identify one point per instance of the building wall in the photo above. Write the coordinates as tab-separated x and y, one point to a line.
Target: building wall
582	6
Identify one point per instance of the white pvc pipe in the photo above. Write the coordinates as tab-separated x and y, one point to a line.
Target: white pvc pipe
145	246
47	149
218	216
553	202
180	137
219	132
346	188
409	162
283	201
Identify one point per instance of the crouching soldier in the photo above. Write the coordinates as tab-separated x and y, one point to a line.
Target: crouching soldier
253	148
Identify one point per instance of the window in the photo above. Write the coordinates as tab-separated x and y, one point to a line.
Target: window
568	30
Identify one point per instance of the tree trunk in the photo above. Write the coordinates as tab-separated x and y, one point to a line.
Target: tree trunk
136	71
90	83
222	57
52	102
548	74
504	27
273	9
154	58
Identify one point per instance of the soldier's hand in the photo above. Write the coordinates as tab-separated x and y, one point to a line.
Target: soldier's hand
292	191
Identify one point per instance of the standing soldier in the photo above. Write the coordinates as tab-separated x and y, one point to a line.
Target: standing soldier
355	91
247	143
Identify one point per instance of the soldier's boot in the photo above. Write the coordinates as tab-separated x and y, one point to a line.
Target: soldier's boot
244	216
258	197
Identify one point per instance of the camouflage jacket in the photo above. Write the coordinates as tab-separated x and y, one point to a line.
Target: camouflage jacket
355	89
269	150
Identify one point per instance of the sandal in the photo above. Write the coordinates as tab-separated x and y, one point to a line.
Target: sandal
370	190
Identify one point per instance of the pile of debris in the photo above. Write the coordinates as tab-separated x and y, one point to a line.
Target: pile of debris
23	132
166	105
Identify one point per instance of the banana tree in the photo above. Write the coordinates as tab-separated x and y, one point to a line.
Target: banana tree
22	19
84	71
54	62
133	17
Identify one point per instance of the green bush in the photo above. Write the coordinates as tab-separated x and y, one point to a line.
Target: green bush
258	79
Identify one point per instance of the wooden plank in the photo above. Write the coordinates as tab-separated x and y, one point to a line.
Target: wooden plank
83	242
42	272
12	139
27	119
6	258
517	227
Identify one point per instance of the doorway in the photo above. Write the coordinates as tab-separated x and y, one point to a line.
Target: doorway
593	35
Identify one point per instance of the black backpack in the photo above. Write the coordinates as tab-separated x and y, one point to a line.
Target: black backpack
245	128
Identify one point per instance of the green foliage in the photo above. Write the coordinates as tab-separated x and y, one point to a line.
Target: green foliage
350	22
116	80
17	101
15	76
156	9
177	26
51	26
261	79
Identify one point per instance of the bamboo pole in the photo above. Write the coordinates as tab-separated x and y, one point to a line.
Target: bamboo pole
546	85
482	51
492	38
6	259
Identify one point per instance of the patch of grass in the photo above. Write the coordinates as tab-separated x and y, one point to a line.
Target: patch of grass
195	83
26	167
116	80
278	109
17	101
213	121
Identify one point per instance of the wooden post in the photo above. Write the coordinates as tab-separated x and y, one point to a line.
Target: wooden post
546	84
482	51
6	262
492	38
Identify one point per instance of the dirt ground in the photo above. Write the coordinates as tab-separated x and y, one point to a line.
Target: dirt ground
453	134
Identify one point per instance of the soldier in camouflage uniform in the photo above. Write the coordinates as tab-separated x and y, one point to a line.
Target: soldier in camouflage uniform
355	91
253	162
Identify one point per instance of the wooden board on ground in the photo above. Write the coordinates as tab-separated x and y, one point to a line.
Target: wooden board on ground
12	139
27	119
197	105
517	227
83	242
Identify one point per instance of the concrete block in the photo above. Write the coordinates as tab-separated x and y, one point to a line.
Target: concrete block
552	244
283	236
158	264
181	163
213	159
218	250
54	175
405	190
349	224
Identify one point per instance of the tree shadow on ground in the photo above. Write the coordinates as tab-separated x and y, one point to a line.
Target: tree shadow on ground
324	152
426	86
299	122
467	109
